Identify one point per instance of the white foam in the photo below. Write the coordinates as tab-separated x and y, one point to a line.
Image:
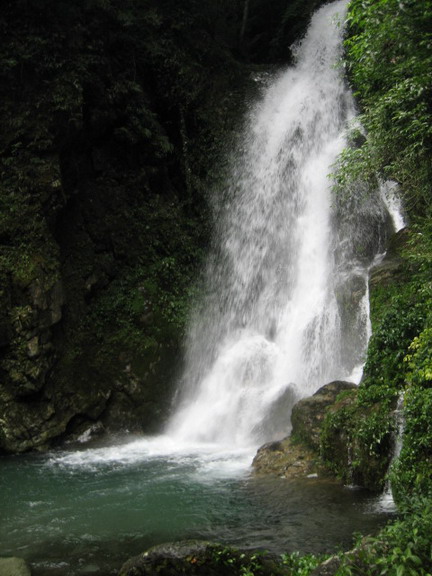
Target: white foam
270	325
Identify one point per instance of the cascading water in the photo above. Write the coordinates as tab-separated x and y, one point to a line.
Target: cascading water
391	196
269	329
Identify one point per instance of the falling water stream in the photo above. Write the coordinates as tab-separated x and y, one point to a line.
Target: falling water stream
271	327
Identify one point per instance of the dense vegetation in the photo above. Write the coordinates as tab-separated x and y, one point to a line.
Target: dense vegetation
389	59
103	214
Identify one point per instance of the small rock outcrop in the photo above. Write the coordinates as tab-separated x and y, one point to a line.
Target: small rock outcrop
288	459
297	456
196	558
308	414
393	267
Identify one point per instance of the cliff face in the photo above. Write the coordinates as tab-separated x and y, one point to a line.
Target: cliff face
113	115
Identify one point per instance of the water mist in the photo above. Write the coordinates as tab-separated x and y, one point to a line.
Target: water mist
271	326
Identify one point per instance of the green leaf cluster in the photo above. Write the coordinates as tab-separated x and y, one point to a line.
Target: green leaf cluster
403	548
356	441
389	58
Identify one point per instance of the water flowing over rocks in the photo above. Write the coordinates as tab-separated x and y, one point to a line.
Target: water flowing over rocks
392	267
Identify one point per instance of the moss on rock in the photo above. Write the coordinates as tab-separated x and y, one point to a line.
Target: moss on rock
196	558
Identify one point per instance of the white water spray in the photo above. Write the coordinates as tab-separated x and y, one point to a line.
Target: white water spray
392	198
269	329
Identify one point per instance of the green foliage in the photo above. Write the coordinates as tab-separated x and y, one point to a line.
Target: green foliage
412	473
400	361
402	548
248	563
355	442
259	563
300	565
419	360
388	57
401	319
144	309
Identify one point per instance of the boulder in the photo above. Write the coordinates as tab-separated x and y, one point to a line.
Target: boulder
308	414
288	459
195	558
329	567
298	455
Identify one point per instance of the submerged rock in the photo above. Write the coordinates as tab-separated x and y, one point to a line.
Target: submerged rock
195	557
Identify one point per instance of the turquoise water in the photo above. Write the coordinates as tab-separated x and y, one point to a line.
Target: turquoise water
88	511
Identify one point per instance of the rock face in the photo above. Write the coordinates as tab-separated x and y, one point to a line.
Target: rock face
98	243
298	456
196	558
392	267
103	199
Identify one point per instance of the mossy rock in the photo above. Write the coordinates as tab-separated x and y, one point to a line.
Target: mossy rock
287	459
356	442
298	456
196	558
308	414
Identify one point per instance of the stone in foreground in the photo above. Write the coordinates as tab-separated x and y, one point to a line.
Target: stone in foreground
196	558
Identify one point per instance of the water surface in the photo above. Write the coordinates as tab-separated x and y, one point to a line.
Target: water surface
88	511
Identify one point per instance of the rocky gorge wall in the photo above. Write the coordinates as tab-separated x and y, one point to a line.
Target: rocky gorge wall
114	116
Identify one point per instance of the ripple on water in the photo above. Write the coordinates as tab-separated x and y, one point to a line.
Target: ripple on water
69	518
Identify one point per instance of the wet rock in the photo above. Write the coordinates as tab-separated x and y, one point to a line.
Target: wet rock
392	268
298	456
350	292
14	567
308	414
33	349
288	459
197	558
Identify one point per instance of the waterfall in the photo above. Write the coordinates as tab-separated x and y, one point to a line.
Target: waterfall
386	501
272	325
392	198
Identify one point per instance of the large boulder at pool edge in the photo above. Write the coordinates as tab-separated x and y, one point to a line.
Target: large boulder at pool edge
196	558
